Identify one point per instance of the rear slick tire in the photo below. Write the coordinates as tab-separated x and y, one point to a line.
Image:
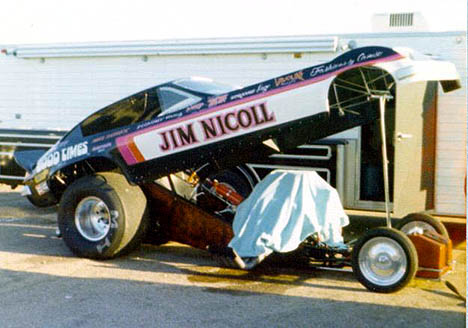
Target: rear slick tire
103	216
384	260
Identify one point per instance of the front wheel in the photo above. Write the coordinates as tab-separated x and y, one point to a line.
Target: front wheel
384	260
102	216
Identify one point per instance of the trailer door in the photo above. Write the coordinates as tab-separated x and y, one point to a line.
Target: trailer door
414	141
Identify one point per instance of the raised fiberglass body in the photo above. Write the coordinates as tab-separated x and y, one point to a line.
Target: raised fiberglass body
183	124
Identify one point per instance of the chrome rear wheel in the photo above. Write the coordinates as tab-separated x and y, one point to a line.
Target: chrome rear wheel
103	216
92	218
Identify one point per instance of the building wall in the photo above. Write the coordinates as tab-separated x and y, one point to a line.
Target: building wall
58	92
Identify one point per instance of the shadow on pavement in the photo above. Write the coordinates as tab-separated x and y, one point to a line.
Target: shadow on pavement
51	301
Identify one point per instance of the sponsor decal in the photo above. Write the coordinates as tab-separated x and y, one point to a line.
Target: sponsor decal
368	56
196	106
53	158
258	89
334	66
215	127
42	188
100	148
71	152
323	69
262	88
110	136
215	101
289	79
242	94
148	123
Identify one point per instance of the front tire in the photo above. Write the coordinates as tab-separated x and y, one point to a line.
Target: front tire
102	216
384	260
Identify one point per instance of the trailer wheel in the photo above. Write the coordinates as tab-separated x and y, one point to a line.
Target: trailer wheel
102	216
420	222
384	260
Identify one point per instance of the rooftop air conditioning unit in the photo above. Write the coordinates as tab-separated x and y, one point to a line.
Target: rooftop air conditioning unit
399	22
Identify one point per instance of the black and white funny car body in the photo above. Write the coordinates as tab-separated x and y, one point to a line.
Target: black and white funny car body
102	172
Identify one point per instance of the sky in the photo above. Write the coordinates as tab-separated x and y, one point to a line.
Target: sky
51	21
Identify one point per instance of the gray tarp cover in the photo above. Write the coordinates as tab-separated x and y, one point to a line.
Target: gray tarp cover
282	211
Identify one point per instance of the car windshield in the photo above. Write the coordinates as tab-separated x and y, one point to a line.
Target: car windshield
205	85
172	100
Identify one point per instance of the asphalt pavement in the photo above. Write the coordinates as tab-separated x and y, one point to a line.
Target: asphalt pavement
42	284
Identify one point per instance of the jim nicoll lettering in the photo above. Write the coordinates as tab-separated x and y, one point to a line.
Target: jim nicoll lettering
216	126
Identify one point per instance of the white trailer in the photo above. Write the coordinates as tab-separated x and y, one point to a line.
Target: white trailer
46	89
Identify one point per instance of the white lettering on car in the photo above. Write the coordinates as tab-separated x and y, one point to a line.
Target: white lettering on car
53	158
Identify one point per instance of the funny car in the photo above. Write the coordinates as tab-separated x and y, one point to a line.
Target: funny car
102	174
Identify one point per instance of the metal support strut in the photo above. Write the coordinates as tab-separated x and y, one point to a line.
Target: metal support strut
382	99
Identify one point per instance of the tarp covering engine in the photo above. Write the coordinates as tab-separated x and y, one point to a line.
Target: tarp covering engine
282	211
